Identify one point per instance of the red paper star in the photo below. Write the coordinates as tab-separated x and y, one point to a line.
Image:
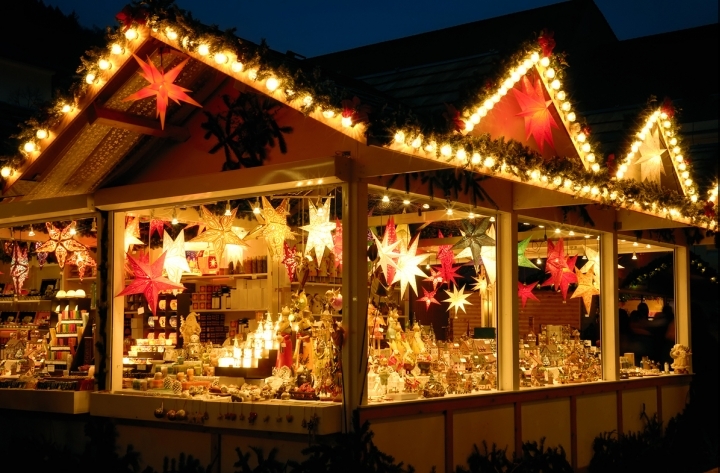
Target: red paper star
289	260
538	119
162	87
19	266
157	225
148	280
435	277
429	298
82	260
61	242
555	258
446	256
337	242
389	238
562	278
525	292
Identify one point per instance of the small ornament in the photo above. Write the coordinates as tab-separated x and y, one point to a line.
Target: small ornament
177	387
171	414
252	417
289	417
181	415
159	413
167	383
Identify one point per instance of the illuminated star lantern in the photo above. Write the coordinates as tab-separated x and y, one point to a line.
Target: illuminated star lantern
474	237
82	260
480	285
535	111
407	267
390	237
593	262
132	232
525	292
523	261
555	259
650	160
61	242
148	280
156	225
319	230
162	87
446	256
489	256
435	278
19	268
175	258
234	253
41	255
585	288
429	298
218	231
457	299
386	255
337	242
289	260
274	228
563	277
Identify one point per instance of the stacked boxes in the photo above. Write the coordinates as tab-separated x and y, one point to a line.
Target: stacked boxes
213	328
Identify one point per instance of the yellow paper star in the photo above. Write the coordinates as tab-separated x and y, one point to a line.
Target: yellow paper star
585	288
386	254
61	242
218	231
650	160
132	232
175	259
407	267
457	299
319	230
274	228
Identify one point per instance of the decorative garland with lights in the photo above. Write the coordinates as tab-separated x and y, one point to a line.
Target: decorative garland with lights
641	276
314	93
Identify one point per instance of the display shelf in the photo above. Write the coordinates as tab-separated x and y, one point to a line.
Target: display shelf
59	348
220	311
24	301
56	362
67	335
319	284
191	277
88	279
65	402
72	321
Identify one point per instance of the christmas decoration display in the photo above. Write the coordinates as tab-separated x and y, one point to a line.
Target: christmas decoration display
41	255
60	242
407	267
386	256
538	119
525	292
219	231
289	260
19	266
560	267
162	87
235	254
148	280
435	278
585	287
175	260
489	256
481	283
523	260
82	260
156	226
390	237
319	230
273	227
132	232
650	158
457	299
446	256
474	237
428	298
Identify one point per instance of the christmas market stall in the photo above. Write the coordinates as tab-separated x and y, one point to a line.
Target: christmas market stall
243	248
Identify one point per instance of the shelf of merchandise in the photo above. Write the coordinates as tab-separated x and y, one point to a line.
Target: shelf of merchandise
59	348
318	284
71	321
193	277
88	279
67	335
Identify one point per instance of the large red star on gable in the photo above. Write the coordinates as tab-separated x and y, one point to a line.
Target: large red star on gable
148	280
535	111
61	242
429	298
162	87
525	292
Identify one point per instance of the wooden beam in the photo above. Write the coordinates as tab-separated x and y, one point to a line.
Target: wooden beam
24	212
629	220
533	197
135	123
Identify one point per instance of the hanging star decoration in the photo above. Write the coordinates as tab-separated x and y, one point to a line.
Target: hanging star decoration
148	280
390	237
523	260
525	292
564	277
218	231
41	255
386	255
273	227
585	288
429	298
156	226
474	237
457	299
82	260
481	284
162	87
337	242
535	110
489	256
446	256
435	278
319	230
132	232
407	267
175	259
19	267
289	260
61	242
235	253
650	156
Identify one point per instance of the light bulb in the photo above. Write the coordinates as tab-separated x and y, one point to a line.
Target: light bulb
634	256
571	116
461	155
545	62
534	57
557	230
5	172
648	246
538	261
90	78
252	74
489	162
117	49
104	64
171	34
406	202
635	243
385	198
203	49
595	167
550	73
31	232
585	147
307	100
566	106
237	66
328	113
346	122
29	147
66	108
131	34
449	211
560	95
73	231
446	150
256	208
426	206
228	210
174	220
272	83
471	215
492	219
221	58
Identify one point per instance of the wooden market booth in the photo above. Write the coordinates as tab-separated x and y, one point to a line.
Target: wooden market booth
110	159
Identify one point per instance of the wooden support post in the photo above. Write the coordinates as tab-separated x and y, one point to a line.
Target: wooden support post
116	283
507	302
683	334
609	328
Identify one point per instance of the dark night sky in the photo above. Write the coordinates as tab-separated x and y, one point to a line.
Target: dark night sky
313	27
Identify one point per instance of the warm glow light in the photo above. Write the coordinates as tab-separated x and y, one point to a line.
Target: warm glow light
489	162
406	202
5	172
385	198
272	83
29	147
595	167
237	66
426	206
544	62
446	150
566	106
104	64
252	74
585	147
634	256
117	49
590	158
221	58
400	137
41	134
174	220
557	230
346	122
571	116
171	34
328	113
66	108
131	34
203	49
461	155
534	57
416	143
560	95
550	73
90	78
449	211
475	158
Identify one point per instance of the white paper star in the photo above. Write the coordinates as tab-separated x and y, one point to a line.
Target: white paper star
593	263
407	267
457	299
132	232
650	159
175	260
319	230
386	254
489	257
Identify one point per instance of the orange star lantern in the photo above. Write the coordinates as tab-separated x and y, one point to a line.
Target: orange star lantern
61	242
162	87
82	260
149	280
536	112
219	232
